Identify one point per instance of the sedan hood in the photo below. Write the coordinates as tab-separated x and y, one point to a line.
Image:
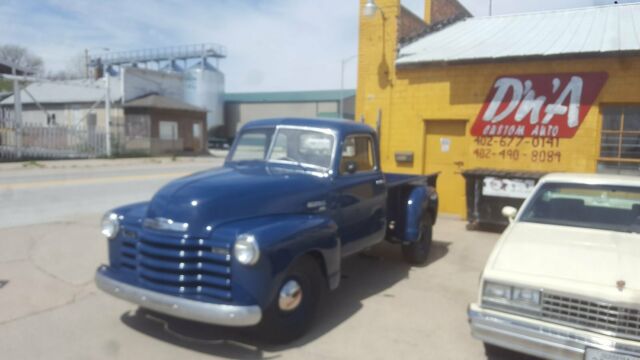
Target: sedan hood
209	198
569	255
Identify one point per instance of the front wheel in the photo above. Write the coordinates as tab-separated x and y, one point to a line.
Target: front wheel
417	252
291	313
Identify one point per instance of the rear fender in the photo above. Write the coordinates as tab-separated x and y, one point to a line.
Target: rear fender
417	207
282	240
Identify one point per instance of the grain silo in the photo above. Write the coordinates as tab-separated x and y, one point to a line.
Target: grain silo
204	87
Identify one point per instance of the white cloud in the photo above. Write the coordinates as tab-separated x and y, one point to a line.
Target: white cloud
272	44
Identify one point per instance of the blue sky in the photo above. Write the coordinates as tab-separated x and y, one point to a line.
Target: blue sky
272	44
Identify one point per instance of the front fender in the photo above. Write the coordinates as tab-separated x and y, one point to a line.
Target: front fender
282	239
131	216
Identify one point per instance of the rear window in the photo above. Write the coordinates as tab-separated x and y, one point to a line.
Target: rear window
604	207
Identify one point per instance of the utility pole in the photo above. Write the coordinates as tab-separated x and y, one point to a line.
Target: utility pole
107	112
490	7
17	109
86	63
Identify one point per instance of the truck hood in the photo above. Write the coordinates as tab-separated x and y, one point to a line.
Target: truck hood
569	256
209	198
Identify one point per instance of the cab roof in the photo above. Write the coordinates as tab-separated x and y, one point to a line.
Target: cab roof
337	125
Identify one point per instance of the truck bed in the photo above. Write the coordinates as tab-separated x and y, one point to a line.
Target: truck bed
395	179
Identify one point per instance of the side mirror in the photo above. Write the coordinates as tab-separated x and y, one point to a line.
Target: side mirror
351	167
509	212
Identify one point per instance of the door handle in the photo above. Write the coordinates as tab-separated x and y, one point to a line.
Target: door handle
380	182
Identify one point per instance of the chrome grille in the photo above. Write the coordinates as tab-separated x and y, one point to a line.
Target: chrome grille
591	315
188	267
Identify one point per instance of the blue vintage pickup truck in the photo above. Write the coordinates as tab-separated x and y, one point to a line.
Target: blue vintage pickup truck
258	241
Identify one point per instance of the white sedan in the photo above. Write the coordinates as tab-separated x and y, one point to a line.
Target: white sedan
563	281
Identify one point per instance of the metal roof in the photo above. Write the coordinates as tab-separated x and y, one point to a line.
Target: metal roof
68	92
611	29
289	96
155	101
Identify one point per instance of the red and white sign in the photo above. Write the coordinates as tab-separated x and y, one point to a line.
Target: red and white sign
551	105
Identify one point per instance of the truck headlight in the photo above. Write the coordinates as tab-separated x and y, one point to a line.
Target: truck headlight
246	249
110	225
514	297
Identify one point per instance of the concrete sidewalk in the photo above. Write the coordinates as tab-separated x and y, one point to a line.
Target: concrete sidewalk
102	163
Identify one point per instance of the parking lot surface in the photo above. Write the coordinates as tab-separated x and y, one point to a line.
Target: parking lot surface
384	308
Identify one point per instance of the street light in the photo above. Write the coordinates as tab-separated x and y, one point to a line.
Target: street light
107	112
370	8
344	62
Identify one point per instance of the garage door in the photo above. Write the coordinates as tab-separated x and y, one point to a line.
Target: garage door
446	152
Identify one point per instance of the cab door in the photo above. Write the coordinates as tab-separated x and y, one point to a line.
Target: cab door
361	194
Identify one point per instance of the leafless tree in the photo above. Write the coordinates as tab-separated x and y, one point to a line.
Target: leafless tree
74	69
22	58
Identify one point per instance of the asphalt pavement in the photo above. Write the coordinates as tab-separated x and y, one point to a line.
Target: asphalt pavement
35	193
50	247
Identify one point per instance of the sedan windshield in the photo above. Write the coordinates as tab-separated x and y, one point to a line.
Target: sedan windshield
604	207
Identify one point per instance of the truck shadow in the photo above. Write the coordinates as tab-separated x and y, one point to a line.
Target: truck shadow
364	275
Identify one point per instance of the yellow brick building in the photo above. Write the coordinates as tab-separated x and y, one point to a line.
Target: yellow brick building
425	83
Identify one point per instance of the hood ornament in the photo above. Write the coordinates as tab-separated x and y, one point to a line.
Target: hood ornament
620	284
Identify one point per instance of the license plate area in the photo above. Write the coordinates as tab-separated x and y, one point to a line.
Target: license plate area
596	354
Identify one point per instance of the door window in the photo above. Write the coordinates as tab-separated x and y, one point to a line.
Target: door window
358	152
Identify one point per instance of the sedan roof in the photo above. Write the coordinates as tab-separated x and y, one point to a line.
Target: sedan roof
593	179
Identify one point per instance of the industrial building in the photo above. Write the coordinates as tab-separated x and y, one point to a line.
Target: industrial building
160	101
240	108
544	91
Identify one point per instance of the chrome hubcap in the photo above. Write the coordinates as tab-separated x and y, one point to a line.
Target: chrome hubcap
290	296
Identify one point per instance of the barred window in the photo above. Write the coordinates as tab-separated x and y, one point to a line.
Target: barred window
620	142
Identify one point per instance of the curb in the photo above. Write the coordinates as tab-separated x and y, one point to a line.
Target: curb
94	163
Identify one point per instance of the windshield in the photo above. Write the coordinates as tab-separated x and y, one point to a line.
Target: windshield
252	145
305	147
604	207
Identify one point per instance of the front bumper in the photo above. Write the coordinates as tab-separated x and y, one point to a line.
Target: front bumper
210	313
540	338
